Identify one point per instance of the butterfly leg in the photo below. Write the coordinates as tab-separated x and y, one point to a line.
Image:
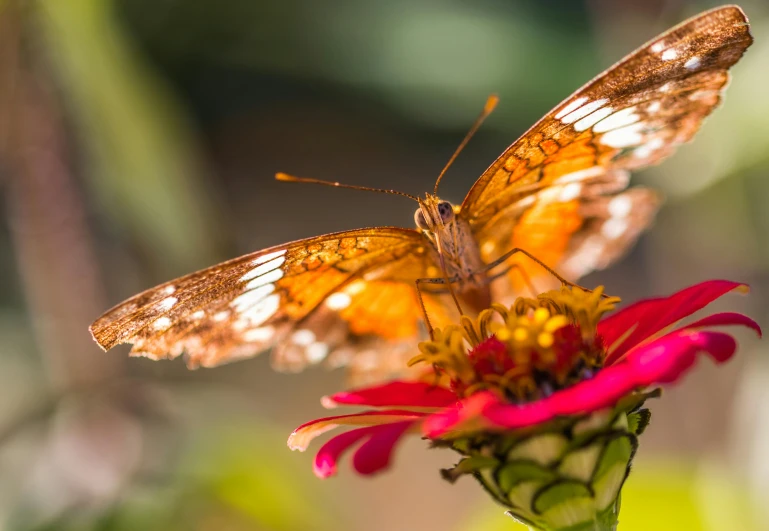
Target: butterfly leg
502	259
521	271
431	280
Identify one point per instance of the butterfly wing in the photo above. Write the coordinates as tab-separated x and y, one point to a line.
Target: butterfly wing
545	189
308	298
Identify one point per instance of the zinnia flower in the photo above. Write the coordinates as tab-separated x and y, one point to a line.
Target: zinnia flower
543	400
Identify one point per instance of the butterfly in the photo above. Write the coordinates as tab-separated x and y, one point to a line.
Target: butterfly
559	192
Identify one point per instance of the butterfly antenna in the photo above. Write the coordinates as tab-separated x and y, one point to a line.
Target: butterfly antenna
491	103
284	177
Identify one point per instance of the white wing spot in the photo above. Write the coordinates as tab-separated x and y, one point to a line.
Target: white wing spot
619	207
658	46
198	315
245	300
693	63
585	258
267	278
263	268
316	352
262	311
267	257
621	118
647	149
488	247
303	337
613	228
580	175
624	136
558	194
571	107
259	335
169	290
583	111
591	119
221	316
355	287
570	191
667	87
167	303
654	106
705	95
669	54
161	324
338	301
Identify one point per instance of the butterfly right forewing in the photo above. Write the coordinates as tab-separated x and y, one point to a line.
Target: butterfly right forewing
634	114
550	191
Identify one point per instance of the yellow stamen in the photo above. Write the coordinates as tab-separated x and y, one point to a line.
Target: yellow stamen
545	340
528	330
556	322
541	315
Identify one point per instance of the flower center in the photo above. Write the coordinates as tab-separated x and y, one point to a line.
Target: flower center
526	351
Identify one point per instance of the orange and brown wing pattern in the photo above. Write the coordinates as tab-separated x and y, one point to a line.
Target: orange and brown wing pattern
633	115
310	297
574	235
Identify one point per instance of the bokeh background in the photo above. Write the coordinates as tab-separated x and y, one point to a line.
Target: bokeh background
138	142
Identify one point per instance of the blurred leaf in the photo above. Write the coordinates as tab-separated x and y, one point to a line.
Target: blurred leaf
143	164
244	470
434	62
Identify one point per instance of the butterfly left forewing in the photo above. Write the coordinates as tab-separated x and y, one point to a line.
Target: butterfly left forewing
311	297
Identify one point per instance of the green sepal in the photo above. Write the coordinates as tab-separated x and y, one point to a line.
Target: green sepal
560	492
638	421
515	472
468	465
566	474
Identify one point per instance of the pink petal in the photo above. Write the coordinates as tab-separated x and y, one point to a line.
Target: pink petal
467	412
329	454
629	326
661	361
394	394
725	319
371	457
301	437
666	359
374	454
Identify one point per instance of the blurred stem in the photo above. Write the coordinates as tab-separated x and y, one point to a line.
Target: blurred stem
143	161
53	248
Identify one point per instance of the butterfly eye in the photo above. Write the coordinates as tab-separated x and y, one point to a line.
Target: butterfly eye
446	211
419	219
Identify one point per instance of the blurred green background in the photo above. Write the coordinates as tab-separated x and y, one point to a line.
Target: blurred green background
138	140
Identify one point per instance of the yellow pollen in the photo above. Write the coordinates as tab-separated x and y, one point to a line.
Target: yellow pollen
503	334
541	315
545	340
520	334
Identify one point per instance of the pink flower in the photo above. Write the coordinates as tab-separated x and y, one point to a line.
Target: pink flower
636	356
543	400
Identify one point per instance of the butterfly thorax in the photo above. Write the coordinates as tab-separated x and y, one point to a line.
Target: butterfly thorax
453	240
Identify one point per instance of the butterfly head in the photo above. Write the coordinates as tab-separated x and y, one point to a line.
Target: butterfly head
434	214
